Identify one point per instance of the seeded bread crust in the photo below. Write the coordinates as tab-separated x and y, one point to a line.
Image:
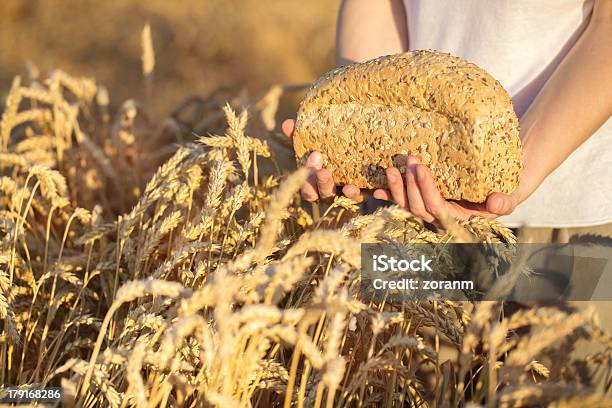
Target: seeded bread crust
450	113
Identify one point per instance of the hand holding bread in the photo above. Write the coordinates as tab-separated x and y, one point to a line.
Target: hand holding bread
450	115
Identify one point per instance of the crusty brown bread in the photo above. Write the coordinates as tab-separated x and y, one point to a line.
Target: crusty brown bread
447	111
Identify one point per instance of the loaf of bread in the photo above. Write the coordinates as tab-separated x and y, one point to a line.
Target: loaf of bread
456	118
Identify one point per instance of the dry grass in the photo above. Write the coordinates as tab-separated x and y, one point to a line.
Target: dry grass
140	269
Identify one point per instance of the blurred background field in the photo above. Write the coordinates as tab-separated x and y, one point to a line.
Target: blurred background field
200	45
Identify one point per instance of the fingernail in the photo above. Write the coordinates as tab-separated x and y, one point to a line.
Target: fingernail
496	206
420	172
412	165
316	160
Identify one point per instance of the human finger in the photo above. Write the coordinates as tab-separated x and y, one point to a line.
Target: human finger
415	201
382	194
396	187
501	204
309	190
288	126
353	193
433	201
325	184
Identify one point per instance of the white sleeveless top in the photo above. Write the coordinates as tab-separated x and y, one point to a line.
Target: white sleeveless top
520	43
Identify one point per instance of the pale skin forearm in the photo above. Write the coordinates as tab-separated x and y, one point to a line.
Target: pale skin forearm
369	29
572	105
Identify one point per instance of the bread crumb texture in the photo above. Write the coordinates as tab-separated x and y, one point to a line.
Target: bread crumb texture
455	117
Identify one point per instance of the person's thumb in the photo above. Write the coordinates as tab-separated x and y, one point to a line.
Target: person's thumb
501	204
288	126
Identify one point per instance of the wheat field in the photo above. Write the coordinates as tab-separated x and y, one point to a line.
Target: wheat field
141	265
